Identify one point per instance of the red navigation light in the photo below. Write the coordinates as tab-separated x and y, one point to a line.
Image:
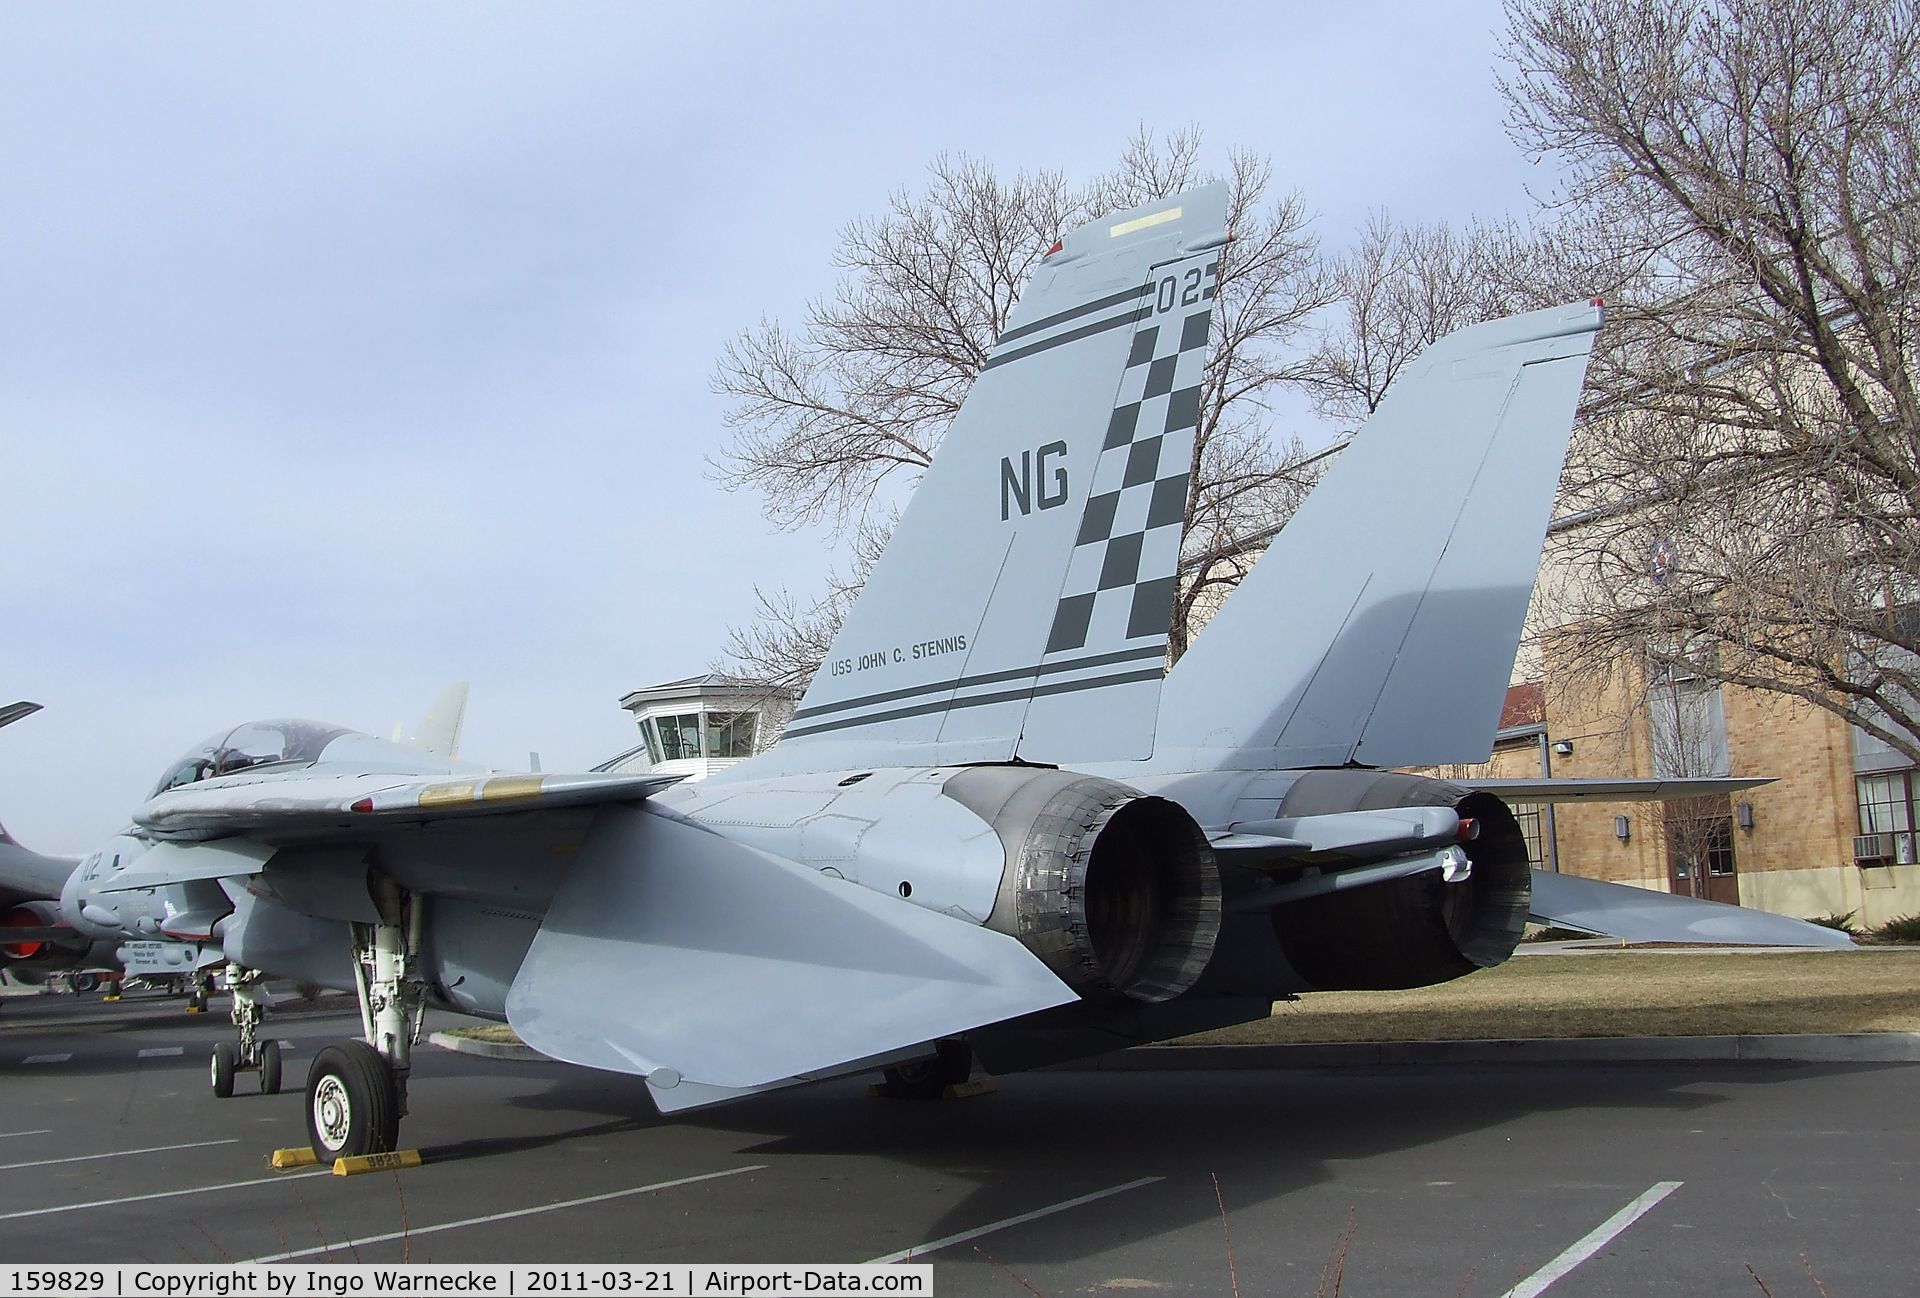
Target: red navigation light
1469	829
1058	244
364	805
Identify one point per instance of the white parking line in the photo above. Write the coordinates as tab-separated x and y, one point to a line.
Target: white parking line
1592	1242
414	1231
9	1135
163	1194
50	1059
118	1153
160	1052
1022	1219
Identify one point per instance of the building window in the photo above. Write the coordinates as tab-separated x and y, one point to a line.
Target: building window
1718	849
679	736
651	735
1700	838
1528	817
1886	807
730	734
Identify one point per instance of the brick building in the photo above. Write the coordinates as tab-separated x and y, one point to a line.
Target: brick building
1834	832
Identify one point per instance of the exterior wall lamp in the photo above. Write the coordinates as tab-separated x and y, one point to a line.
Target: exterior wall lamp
1564	747
1622	828
1743	814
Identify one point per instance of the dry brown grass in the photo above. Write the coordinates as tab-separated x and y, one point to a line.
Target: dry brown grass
1617	994
498	1033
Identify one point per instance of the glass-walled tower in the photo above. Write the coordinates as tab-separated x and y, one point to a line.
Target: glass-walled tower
699	725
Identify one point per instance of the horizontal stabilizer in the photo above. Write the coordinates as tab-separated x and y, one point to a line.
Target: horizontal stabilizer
262	804
675	954
1557	790
1640	915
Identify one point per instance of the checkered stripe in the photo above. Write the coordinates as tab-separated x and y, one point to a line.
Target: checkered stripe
1120	579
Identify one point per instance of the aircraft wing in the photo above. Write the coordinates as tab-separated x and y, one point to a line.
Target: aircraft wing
1600	790
717	965
271	804
1642	915
12	712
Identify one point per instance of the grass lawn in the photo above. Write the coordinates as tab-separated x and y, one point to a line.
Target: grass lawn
498	1033
1616	994
1623	994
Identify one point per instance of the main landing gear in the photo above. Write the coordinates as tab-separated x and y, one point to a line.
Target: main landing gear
951	1064
249	1053
199	985
357	1090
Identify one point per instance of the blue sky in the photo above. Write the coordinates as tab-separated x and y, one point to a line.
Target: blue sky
348	351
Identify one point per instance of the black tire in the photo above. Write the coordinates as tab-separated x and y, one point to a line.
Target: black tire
86	982
353	1106
197	1003
224	1065
270	1068
925	1079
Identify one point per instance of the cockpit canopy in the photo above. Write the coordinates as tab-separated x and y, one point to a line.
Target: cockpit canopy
257	743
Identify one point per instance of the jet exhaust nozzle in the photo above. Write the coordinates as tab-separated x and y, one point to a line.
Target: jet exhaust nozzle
1117	892
1422	929
33	933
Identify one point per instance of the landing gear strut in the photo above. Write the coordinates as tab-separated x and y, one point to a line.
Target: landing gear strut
357	1090
250	1053
199	984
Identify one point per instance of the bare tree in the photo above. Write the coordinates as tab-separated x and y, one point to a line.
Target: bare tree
824	420
1742	180
788	638
869	385
1400	288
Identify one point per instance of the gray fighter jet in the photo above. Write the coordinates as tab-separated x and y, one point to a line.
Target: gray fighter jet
58	917
997	825
34	939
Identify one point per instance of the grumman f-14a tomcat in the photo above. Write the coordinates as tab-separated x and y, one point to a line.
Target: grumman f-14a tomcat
997	826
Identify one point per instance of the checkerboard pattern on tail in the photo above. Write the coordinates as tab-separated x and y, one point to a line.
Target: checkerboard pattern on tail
1120	580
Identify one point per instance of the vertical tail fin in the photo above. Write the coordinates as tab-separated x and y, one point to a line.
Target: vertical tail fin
1380	626
1021	606
439	730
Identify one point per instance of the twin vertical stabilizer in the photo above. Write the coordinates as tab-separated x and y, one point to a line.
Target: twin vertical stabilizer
1021	607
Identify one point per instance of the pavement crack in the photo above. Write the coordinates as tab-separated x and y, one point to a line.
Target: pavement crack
1784	1206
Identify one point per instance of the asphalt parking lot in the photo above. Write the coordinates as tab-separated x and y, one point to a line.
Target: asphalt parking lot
1459	1180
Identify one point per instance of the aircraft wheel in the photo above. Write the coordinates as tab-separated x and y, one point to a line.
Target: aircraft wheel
353	1106
925	1079
86	982
270	1068
223	1068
